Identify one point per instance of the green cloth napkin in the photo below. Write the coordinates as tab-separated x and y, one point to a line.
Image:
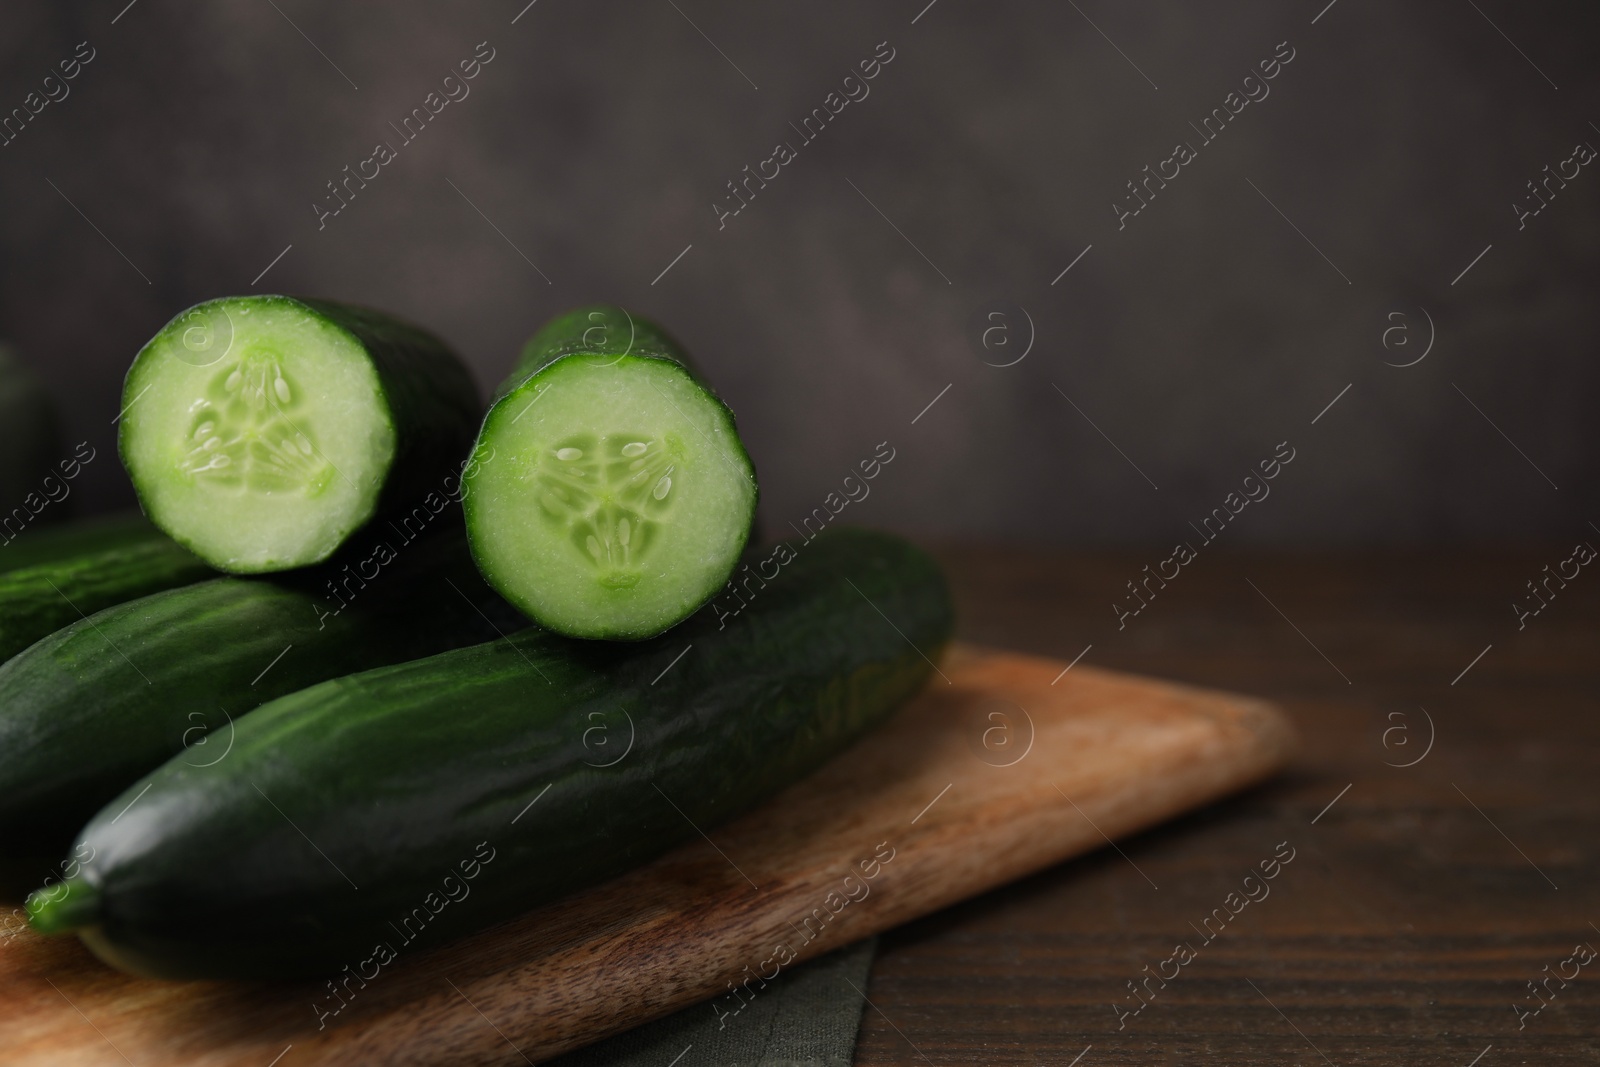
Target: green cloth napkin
807	1017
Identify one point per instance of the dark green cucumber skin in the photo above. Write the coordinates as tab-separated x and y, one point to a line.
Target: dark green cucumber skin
431	396
96	705
37	601
432	400
596	331
30	436
600	331
52	544
400	775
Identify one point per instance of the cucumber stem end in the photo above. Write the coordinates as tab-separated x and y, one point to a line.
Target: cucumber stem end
63	908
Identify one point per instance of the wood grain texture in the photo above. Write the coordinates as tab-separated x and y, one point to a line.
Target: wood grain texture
1408	925
1003	767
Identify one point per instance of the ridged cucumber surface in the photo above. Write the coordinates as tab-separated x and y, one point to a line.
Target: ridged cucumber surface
52	544
404	776
613	495
86	572
111	697
262	431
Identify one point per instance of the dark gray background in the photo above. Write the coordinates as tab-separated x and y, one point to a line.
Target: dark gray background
597	140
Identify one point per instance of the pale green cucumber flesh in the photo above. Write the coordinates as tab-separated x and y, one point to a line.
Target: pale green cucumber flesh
609	497
256	432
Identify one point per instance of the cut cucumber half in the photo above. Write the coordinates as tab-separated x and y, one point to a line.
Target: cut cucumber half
262	431
610	495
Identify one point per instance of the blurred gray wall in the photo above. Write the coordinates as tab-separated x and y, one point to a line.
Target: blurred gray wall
915	243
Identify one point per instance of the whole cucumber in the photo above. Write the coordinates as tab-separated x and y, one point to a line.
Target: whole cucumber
111	697
334	832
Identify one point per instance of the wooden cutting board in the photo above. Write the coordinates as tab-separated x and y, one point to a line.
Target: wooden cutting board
1005	765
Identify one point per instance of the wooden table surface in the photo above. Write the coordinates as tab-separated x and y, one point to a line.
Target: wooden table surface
1418	907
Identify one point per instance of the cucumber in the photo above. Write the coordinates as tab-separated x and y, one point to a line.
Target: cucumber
613	496
485	763
73	572
30	441
262	431
81	537
111	697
